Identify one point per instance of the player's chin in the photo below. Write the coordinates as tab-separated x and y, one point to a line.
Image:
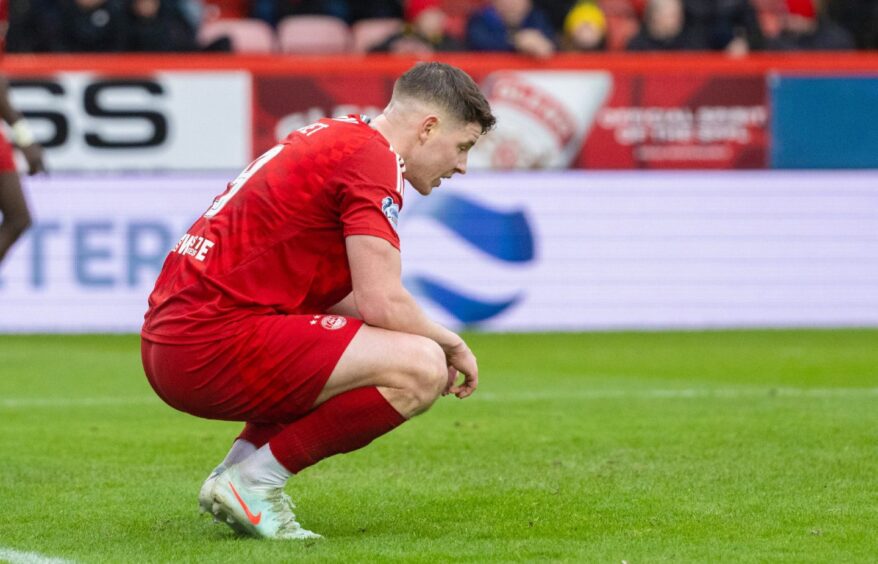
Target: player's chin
423	188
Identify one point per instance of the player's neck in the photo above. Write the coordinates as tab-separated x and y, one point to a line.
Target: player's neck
391	133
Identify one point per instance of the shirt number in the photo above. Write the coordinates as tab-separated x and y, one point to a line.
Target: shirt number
242	179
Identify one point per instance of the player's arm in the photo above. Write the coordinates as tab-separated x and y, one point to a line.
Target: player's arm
22	135
346	307
7	112
376	274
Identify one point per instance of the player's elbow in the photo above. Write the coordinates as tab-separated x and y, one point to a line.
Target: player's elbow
376	310
380	309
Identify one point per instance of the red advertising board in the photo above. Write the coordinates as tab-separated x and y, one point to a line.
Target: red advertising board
282	104
614	111
657	120
562	118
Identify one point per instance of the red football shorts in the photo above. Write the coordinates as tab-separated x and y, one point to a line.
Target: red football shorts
271	371
7	163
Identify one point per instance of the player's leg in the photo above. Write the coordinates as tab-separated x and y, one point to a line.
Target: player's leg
13	208
275	370
381	379
409	370
206	380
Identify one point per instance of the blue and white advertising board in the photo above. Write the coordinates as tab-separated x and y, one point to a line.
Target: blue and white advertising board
504	252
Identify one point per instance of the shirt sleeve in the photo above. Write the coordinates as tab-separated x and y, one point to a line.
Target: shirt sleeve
371	193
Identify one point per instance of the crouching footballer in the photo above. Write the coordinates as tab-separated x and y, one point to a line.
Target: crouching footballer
283	307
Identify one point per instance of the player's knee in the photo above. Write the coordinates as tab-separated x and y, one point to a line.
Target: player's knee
429	375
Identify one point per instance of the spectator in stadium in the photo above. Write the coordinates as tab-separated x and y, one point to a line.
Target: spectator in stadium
804	28
585	28
424	31
512	26
664	29
283	305
27	31
728	25
157	25
859	17
556	11
192	12
351	11
91	26
359	10
272	11
14	212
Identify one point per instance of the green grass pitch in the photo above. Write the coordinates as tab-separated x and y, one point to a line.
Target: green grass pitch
732	446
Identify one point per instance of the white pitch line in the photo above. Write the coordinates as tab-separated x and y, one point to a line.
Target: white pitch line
20	557
688	393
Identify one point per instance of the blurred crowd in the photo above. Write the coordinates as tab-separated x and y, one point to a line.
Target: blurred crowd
538	28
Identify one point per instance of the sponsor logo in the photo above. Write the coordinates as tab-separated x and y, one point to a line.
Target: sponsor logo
100	101
545	107
333	322
505	236
391	211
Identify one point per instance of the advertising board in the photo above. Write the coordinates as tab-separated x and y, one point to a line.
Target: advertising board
532	251
152	121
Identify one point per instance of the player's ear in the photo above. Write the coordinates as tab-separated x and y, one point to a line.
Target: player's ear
429	127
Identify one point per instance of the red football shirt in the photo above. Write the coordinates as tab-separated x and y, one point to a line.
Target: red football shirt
274	241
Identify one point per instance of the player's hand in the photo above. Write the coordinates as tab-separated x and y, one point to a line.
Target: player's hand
461	359
452	378
34	156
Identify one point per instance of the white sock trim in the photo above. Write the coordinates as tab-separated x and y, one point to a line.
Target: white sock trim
240	450
262	470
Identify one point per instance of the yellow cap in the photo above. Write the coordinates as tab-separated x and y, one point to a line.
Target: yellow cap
584	12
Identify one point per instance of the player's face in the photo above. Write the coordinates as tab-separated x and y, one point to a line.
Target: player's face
443	152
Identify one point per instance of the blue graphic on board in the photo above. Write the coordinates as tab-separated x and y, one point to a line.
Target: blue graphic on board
464	308
503	235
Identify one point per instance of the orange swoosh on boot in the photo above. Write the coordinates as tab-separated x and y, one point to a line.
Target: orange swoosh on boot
255	519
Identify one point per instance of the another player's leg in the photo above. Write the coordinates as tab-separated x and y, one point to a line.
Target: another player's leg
382	379
13	208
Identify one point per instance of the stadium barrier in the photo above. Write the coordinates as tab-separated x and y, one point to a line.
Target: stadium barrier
612	111
569	250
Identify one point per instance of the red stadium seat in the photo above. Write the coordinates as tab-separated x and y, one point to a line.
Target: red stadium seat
314	35
370	32
246	35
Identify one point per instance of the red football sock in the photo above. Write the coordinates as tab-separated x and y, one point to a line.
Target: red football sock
260	433
341	424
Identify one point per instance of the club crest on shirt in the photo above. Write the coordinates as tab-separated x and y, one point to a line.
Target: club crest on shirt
391	211
333	322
